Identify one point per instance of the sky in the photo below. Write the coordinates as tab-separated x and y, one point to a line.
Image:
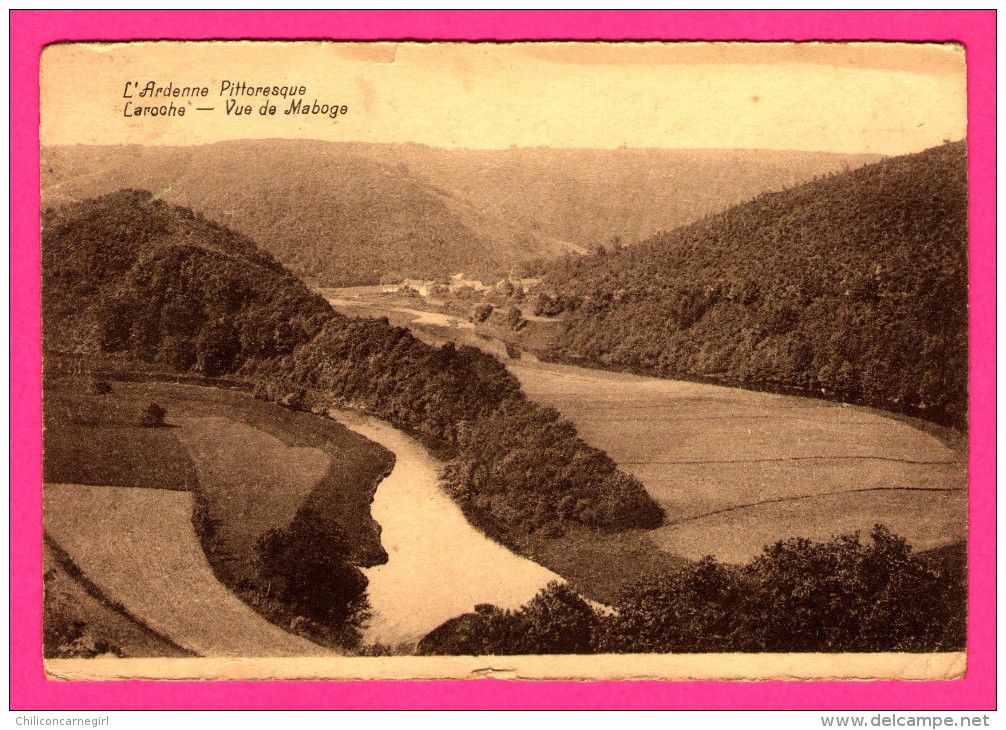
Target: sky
888	98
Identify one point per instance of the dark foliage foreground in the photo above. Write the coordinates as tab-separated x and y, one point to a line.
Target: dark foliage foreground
308	566
844	595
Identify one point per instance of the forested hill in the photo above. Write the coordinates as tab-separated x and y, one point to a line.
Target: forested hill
132	276
126	273
354	213
854	285
594	197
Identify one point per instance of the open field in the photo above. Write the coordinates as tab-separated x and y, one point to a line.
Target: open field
700	448
78	620
98	439
762	466
130	456
139	548
928	519
250	465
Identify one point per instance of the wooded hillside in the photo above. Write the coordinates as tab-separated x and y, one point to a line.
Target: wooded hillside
854	286
354	213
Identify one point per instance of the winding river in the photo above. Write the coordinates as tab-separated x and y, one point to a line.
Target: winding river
438	565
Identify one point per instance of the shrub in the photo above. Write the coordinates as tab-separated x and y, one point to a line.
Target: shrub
693	609
153	416
98	387
847	595
481	312
505	287
546	306
799	595
514	318
308	562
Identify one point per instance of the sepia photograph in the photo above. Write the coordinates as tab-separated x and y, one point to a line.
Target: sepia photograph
532	360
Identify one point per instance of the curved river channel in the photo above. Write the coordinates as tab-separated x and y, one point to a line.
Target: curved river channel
439	566
734	470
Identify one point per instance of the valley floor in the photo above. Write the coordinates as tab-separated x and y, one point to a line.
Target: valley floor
734	469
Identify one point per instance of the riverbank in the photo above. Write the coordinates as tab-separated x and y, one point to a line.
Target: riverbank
733	468
438	564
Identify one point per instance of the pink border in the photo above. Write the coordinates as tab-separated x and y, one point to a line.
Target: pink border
30	30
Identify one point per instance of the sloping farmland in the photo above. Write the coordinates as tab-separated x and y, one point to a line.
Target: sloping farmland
139	548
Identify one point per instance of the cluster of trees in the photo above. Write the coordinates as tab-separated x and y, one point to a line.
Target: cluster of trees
799	595
523	465
308	566
854	285
129	274
306	575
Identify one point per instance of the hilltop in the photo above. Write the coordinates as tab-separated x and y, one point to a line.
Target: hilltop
356	213
127	273
854	286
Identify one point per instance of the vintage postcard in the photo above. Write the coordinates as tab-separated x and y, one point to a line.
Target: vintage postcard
565	360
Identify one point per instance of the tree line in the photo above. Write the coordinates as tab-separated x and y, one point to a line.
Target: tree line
798	595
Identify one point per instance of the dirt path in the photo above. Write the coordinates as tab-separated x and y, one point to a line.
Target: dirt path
139	548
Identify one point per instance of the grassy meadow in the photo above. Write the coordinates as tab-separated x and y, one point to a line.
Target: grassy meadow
138	546
99	439
245	466
928	519
81	622
737	470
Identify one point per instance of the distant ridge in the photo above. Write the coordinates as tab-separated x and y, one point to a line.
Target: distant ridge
354	213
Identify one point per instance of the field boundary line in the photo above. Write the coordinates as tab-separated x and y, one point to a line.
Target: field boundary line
810	496
64	561
799	458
